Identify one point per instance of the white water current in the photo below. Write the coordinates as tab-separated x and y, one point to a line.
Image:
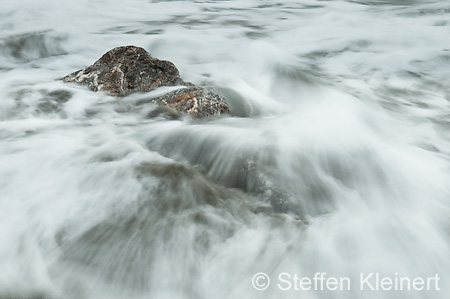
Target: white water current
335	158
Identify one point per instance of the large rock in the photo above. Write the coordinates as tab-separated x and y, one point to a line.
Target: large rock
128	69
124	70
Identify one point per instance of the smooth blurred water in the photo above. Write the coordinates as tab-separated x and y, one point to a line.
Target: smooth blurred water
335	157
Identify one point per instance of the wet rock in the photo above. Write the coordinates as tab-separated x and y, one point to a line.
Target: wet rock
128	69
197	101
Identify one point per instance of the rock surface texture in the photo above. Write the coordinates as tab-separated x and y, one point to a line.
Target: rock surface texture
128	69
198	101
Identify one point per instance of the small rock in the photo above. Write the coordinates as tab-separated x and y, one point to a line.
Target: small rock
197	101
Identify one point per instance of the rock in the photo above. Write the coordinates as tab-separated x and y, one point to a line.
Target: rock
128	69
197	101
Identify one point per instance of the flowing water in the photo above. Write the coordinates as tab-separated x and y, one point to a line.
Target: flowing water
335	158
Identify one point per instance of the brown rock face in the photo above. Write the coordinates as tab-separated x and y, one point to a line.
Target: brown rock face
128	69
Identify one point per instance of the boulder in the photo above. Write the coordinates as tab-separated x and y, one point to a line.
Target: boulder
128	69
124	70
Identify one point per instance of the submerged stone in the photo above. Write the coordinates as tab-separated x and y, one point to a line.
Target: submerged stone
128	69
